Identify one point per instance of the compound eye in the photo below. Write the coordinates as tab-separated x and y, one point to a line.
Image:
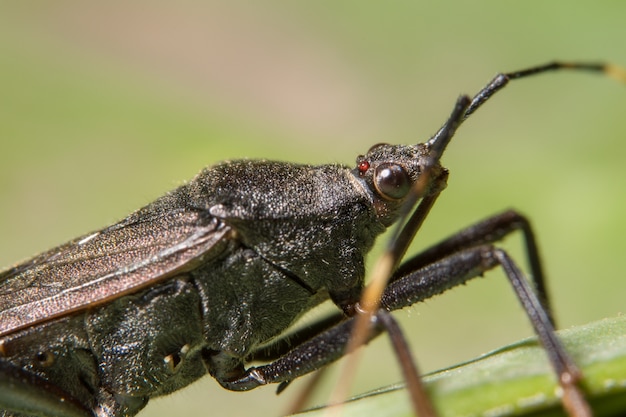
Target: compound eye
392	181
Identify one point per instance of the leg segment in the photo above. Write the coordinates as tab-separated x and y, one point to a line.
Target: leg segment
284	344
416	286
330	344
487	231
23	393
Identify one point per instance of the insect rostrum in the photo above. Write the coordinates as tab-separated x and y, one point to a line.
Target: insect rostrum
202	278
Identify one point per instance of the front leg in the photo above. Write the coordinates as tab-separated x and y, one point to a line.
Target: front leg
329	345
487	231
413	287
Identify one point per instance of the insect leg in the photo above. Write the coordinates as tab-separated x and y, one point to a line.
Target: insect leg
26	393
463	265
284	344
419	396
489	230
329	345
415	286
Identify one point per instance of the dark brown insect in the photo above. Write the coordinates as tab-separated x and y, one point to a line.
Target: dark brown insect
208	277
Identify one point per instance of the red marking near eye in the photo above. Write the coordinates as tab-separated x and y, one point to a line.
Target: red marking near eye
364	166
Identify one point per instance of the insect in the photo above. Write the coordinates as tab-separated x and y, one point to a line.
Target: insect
208	277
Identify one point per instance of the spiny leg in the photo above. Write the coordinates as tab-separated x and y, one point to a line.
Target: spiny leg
490	230
419	396
419	285
25	392
283	344
330	344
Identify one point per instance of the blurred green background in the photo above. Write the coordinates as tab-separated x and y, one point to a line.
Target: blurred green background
104	107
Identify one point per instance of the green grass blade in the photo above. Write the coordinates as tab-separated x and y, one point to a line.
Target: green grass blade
516	380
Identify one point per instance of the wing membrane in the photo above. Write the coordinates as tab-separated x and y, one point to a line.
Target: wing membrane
98	267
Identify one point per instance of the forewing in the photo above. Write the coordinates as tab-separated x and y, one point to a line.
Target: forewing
101	266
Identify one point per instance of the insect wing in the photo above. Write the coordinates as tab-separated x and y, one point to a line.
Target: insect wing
137	252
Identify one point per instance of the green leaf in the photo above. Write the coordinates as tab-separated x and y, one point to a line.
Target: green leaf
516	380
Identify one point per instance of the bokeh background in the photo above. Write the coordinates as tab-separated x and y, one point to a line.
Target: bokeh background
104	107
